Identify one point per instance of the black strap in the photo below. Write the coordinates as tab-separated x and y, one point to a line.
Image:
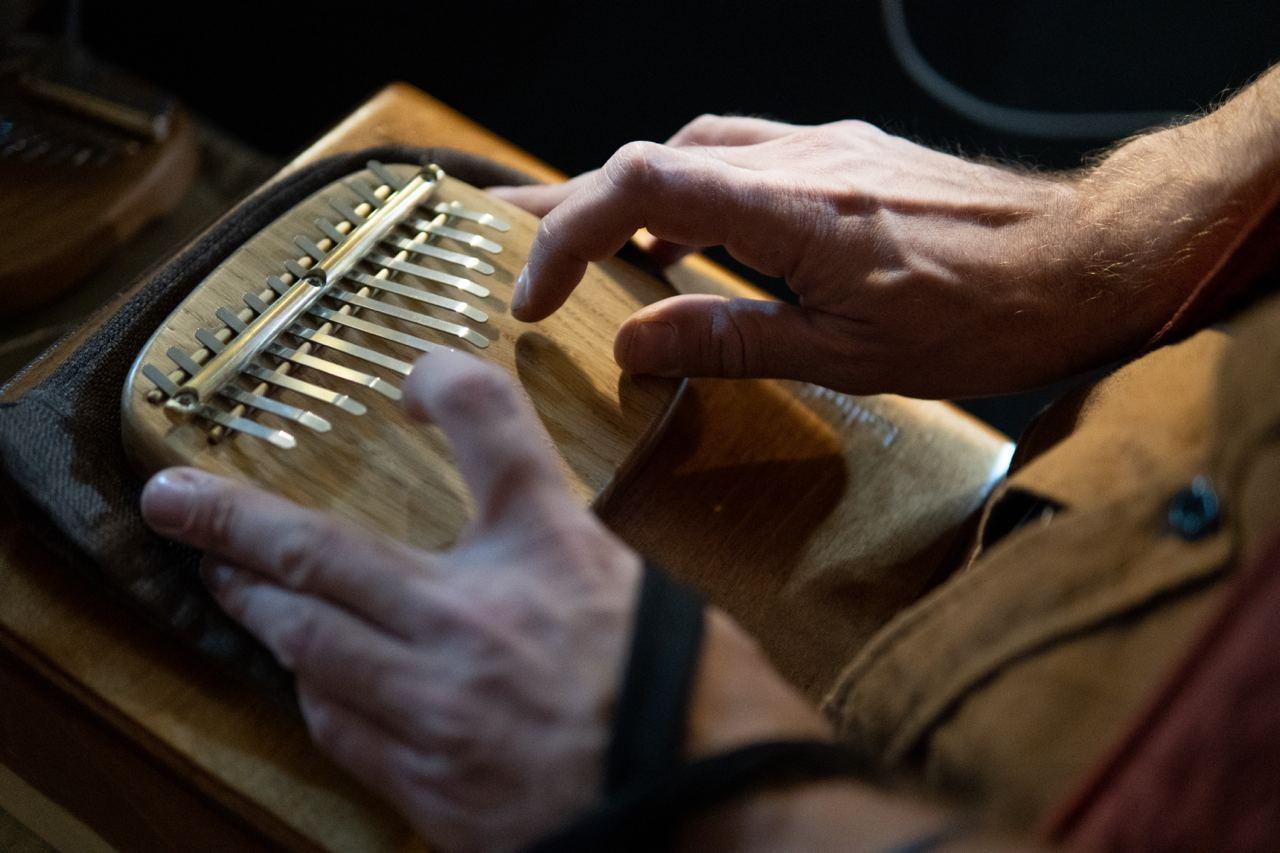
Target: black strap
646	815
648	787
649	728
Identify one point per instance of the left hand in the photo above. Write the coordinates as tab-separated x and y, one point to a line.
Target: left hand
473	688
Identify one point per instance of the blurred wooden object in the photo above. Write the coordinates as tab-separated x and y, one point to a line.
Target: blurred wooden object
812	516
74	186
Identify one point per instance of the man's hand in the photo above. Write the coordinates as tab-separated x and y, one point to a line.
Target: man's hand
474	688
917	271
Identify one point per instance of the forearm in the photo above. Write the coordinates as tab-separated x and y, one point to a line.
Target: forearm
739	699
1158	213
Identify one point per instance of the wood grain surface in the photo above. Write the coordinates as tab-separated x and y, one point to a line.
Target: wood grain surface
810	515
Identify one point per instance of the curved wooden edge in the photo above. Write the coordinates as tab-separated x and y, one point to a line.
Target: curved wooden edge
75	219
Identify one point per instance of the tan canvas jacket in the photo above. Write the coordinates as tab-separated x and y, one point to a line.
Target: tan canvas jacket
1099	560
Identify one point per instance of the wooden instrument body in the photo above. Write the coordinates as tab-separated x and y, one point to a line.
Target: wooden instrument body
380	468
62	222
810	516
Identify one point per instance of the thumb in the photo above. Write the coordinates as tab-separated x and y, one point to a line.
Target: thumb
698	335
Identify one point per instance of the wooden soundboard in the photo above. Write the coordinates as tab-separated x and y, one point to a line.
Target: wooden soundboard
811	516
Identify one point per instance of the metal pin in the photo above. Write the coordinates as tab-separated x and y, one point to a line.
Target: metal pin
385	175
452	208
475	241
456	329
420	295
275	407
374	329
307	389
418	271
277	284
468	261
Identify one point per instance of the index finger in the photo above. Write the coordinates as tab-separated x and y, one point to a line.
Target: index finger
298	548
691	197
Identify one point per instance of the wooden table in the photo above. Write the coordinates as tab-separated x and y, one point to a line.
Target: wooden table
809	515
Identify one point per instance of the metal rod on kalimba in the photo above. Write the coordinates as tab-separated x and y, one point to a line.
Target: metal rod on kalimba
238	354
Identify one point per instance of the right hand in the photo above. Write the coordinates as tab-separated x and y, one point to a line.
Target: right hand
917	272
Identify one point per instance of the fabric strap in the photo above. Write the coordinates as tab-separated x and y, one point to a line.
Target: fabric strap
648	787
646	815
649	729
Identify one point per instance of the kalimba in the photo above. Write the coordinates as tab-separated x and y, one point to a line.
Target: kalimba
282	366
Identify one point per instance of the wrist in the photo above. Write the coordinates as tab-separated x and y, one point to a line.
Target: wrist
738	698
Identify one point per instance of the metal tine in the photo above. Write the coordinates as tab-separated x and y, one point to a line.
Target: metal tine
276	437
467	238
283	380
385	175
319	338
161	379
346	210
452	208
365	192
234	323
315	362
184	361
309	246
275	407
470	262
466	285
411	341
420	295
457	329
307	389
330	230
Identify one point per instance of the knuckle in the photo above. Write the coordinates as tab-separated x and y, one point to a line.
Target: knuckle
730	339
634	165
219	517
700	125
853	127
302	550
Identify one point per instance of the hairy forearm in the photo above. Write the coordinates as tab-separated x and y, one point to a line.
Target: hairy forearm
1157	214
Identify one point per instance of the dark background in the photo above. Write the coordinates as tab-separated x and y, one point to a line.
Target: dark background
572	81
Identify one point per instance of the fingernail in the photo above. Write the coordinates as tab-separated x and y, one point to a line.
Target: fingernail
520	297
167	501
653	348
